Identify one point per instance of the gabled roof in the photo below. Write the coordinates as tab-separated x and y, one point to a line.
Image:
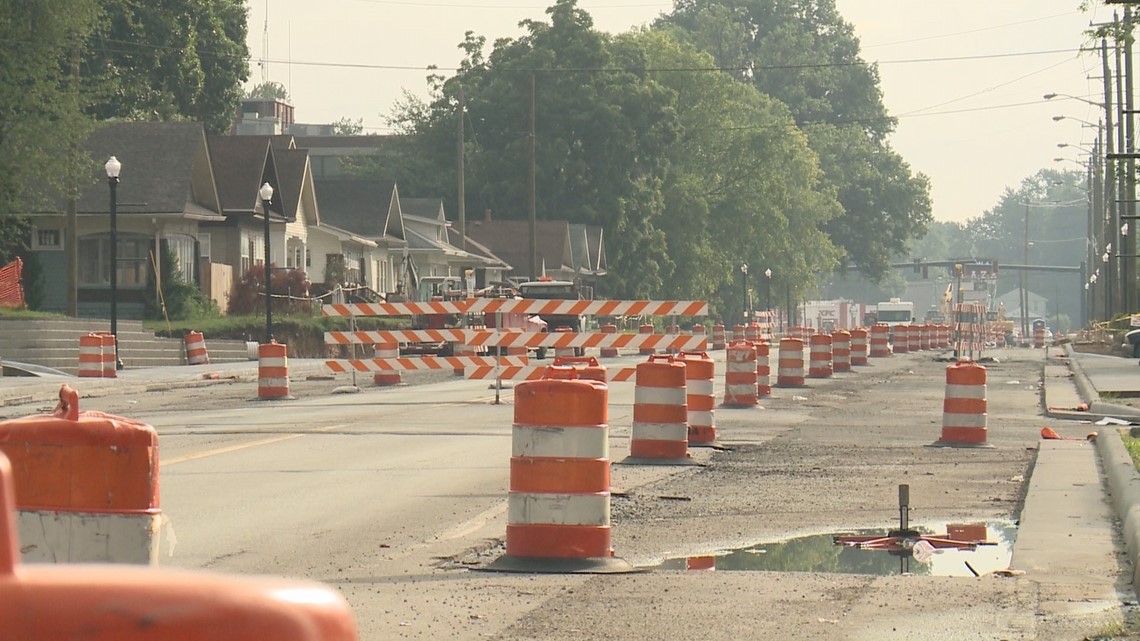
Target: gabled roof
477	250
241	165
509	240
159	161
292	169
426	208
360	206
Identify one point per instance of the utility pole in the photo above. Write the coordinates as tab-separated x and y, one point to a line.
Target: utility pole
533	235
1129	241
461	209
1109	236
1024	282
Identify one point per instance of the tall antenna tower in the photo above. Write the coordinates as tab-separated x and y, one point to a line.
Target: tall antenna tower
265	47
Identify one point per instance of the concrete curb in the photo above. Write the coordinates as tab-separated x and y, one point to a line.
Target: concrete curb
1124	491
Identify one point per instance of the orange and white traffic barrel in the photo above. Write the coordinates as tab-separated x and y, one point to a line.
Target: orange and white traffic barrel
387	351
609	352
91	356
915	338
752	332
110	354
901	339
841	350
763	369
700	399
100	602
819	356
719	340
558	507
740	374
1039	338
699	330
660	433
576	367
272	371
738	333
880	340
964	407
790	365
858	346
195	344
86	485
646	329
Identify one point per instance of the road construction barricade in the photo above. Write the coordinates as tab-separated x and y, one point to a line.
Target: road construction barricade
609	352
565	352
558	514
740	374
465	350
718	337
585	368
91	356
86	485
660	431
99	602
387	350
841	350
925	336
646	329
790	366
196	353
819	356
672	330
964	407
763	369
700	399
880	340
1039	338
273	371
739	333
110	354
901	340
698	330
914	332
858	347
752	332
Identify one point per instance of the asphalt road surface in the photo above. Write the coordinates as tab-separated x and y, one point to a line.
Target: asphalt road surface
397	497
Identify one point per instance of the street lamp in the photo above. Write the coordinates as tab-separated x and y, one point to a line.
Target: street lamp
768	295
1063	145
1050	96
744	290
1080	120
113	167
266	193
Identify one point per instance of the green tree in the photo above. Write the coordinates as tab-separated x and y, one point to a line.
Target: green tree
805	55
269	91
169	59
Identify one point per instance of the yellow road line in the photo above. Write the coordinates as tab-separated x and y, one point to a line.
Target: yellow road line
244	446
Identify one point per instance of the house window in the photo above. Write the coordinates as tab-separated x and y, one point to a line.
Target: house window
182	247
47	239
95	261
204	248
308	258
246	251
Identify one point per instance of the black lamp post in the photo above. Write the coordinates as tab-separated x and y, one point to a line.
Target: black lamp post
113	167
768	295
744	290
266	193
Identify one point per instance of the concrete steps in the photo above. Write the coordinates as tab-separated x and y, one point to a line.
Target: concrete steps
55	343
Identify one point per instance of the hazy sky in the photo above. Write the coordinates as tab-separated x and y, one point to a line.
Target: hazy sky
966	78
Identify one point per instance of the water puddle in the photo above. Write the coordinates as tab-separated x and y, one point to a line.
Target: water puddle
931	554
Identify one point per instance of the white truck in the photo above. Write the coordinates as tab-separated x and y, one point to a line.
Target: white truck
895	312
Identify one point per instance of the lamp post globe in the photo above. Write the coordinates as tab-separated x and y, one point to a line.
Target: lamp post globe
744	290
768	292
266	194
113	167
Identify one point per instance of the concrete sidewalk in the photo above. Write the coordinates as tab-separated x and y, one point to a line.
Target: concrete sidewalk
36	389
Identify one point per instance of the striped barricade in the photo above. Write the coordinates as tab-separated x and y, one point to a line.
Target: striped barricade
587	307
508	339
396	309
344	366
